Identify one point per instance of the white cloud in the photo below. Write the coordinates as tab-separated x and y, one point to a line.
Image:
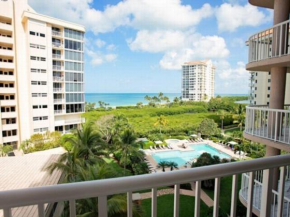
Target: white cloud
100	43
111	47
179	46
230	17
96	56
231	79
139	14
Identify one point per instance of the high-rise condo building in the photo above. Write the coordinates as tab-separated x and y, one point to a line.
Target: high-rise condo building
41	73
198	80
260	87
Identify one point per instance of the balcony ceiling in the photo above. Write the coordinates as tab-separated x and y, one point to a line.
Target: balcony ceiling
263	3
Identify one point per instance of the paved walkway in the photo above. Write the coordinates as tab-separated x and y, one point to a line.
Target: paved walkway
204	197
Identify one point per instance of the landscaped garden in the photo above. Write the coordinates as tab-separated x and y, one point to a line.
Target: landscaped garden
106	147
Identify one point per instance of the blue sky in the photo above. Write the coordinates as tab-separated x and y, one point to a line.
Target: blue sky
138	45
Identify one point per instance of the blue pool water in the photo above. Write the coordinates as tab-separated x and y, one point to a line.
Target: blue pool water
181	157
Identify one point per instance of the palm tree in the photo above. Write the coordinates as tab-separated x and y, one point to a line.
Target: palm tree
128	147
172	165
88	141
163	165
86	150
239	117
221	114
161	122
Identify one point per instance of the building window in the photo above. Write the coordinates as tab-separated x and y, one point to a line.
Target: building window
269	88
268	95
269	80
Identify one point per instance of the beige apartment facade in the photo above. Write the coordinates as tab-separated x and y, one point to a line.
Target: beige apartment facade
260	88
41	73
198	80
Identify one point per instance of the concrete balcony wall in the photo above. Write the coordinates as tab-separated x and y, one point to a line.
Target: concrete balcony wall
9	126
10	139
6	65
7	78
7	102
8	114
7	90
6	27
9	53
6	40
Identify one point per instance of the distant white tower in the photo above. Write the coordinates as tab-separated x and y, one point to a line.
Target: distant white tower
198	80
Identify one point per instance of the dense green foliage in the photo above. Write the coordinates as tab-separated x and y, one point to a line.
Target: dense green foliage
182	118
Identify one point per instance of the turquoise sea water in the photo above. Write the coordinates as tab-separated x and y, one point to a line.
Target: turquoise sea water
181	157
125	99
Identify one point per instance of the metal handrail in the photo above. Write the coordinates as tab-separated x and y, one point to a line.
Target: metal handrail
101	188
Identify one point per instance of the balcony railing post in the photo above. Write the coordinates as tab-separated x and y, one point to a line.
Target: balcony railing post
281	192
176	200
154	203
129	205
197	199
41	210
72	208
7	212
234	195
102	206
250	195
216	197
266	199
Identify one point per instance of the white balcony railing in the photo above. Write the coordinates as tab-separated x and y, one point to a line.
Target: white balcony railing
258	187
270	43
101	189
57	44
272	124
59	111
56	56
58	78
57	90
56	67
56	33
58	100
73	121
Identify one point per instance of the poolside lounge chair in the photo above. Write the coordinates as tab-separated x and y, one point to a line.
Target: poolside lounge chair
164	146
151	148
154	147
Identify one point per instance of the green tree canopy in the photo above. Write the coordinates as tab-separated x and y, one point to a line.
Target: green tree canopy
208	127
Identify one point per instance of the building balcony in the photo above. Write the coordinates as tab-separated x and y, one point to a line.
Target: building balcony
59	112
58	78
57	45
257	193
268	126
101	189
7	102
7	27
7	53
269	48
9	126
8	114
58	90
7	90
57	56
75	121
57	33
6	65
57	68
10	139
7	78
7	40
58	101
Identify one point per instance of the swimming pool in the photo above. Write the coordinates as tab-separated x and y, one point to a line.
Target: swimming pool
181	157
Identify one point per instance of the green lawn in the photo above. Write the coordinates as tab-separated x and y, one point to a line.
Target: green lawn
225	195
230	132
165	206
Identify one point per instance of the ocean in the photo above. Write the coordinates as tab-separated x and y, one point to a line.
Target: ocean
126	99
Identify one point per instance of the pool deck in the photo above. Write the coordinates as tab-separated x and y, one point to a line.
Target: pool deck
178	147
